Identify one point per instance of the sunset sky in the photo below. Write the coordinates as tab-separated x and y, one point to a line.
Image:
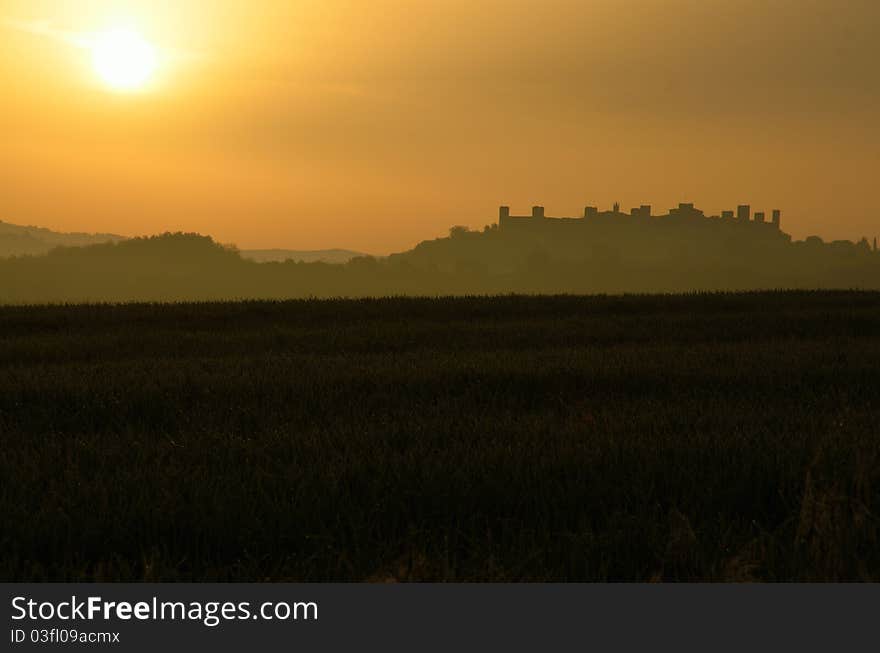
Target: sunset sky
373	125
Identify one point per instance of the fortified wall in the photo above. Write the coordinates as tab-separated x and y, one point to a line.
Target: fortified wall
685	215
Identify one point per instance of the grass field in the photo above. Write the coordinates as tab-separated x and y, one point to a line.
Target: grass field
703	437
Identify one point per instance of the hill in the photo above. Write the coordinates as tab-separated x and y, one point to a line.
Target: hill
17	240
618	257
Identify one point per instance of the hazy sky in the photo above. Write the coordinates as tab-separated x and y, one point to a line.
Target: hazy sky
375	124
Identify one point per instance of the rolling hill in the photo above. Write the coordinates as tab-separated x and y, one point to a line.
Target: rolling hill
18	240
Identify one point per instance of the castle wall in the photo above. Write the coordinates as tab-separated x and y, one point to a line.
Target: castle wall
685	213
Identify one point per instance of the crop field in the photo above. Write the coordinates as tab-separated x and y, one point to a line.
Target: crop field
517	438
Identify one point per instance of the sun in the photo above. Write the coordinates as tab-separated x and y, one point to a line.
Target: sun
123	59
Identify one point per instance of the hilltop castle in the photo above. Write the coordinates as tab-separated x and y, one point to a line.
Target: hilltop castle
683	216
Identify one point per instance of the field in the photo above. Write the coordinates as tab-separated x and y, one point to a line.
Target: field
698	437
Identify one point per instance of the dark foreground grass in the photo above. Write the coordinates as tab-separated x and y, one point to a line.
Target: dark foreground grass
707	437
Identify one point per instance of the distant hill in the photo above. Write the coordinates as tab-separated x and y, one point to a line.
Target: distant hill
300	256
183	267
17	240
619	255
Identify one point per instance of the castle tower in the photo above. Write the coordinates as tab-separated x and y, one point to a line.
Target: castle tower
538	212
503	215
743	212
759	216
590	212
875	243
777	218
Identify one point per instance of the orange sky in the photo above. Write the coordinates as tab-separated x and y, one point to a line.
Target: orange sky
373	125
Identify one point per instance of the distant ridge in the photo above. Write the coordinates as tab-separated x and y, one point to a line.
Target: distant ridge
18	240
623	256
303	256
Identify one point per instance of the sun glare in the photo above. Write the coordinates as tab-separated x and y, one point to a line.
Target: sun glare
123	59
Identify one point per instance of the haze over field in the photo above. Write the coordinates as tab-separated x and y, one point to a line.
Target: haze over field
372	126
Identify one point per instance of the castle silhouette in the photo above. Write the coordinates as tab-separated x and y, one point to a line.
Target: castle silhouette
684	220
685	215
